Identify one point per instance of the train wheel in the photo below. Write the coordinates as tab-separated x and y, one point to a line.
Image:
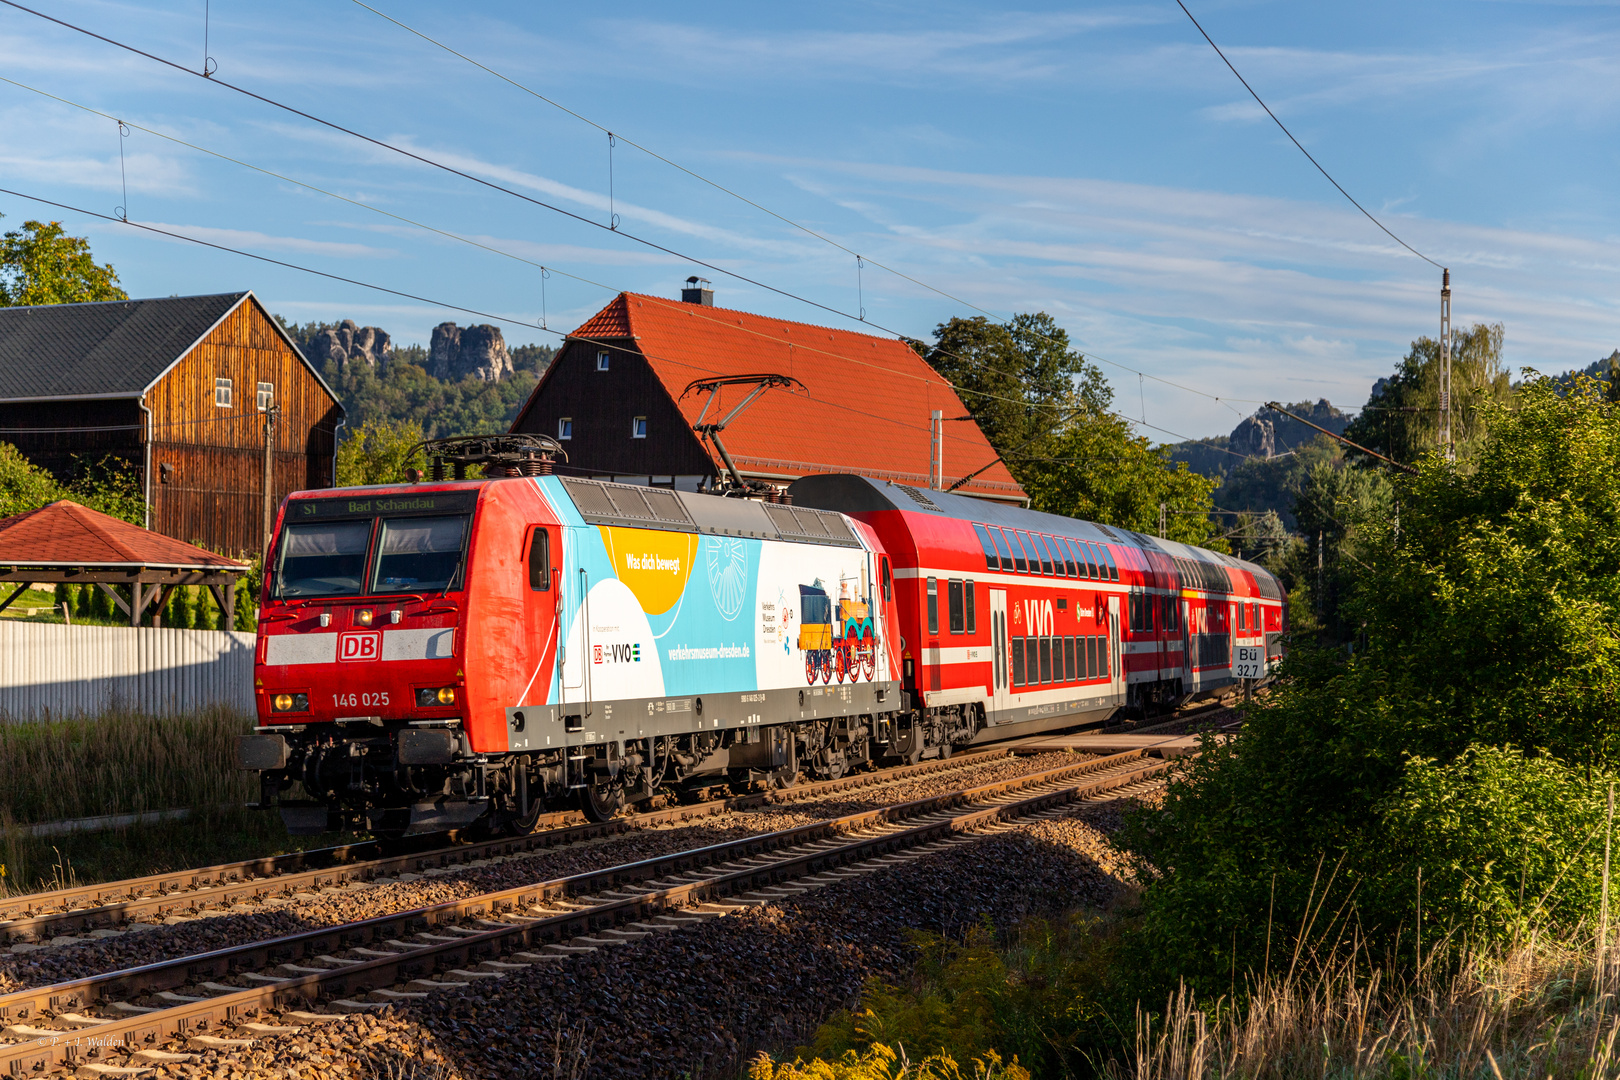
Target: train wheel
826	666
601	801
810	667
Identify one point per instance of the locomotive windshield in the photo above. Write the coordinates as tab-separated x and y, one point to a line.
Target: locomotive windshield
419	554
325	558
407	554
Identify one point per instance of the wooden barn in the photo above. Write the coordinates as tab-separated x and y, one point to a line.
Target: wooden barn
616	397
204	398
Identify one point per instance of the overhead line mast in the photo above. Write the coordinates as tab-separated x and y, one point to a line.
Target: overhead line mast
1447	446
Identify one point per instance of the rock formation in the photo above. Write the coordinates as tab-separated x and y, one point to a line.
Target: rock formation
347	342
1254	437
476	351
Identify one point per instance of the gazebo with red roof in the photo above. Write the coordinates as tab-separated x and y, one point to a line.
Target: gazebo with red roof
615	396
66	542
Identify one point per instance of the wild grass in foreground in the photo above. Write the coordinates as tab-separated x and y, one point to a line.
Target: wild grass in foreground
1532	1010
121	762
1051	1000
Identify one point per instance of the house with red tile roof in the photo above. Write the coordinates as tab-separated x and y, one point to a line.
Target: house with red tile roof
66	542
619	397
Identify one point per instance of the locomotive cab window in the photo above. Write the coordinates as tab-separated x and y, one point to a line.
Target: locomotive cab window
888	581
419	554
933	605
325	558
540	561
954	606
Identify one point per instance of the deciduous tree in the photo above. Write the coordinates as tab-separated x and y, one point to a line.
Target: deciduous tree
41	264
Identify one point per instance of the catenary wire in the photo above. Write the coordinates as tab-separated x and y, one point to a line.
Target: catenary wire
859	257
609	288
1301	147
509	320
424	159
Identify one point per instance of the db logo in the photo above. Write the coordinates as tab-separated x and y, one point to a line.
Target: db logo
597	650
360	645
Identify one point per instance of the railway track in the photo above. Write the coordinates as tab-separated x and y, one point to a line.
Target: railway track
99	910
120	1021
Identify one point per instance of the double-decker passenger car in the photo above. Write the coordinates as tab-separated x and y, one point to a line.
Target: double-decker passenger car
438	654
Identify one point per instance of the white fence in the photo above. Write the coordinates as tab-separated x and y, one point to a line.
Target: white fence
49	669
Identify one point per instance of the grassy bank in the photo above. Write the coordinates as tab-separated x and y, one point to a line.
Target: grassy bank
123	763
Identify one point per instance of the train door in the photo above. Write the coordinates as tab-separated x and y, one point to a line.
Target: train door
1186	646
1116	651
999	698
542	609
576	662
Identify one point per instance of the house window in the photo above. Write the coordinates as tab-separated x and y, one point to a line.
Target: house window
601	361
266	396
565	427
222	393
638	428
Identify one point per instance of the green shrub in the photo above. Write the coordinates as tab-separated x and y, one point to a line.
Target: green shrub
1463	744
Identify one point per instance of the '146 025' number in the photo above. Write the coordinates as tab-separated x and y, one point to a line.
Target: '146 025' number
349	701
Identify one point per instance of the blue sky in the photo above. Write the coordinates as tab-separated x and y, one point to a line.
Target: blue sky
1096	162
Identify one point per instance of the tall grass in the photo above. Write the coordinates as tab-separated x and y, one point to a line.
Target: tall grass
1531	1010
120	762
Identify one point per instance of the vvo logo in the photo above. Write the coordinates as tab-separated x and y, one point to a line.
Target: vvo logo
617	654
1038	617
360	645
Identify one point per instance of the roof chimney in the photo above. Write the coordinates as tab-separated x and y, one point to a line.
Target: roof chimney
697	291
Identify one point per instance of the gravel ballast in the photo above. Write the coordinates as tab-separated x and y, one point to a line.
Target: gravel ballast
248	922
699	1001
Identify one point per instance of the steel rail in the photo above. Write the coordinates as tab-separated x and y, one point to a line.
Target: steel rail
802	850
31	917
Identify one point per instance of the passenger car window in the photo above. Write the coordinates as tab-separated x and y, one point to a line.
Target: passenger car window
1001	547
1019	558
991	559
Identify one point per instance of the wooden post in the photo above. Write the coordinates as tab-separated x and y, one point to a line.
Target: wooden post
230	605
136	602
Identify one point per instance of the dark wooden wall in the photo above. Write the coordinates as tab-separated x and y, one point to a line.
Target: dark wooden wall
213	490
602	404
65	436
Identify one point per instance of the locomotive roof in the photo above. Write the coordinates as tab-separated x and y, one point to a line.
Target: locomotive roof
858	494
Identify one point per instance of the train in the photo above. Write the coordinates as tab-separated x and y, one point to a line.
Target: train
454	653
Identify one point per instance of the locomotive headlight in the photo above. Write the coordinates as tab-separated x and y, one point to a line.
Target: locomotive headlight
290	702
363	617
433	699
447	695
283	703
